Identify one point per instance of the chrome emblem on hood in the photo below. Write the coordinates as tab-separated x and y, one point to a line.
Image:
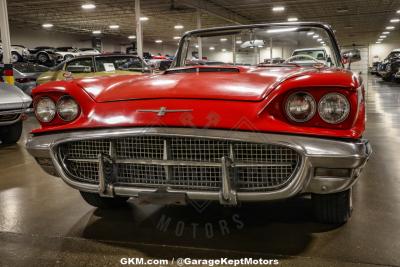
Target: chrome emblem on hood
163	110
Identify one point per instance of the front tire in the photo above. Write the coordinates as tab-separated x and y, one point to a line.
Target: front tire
333	208
43	58
10	134
97	201
15	57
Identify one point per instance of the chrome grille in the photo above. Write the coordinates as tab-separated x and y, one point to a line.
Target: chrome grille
9	117
182	163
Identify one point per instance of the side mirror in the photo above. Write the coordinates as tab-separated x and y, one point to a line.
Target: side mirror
351	56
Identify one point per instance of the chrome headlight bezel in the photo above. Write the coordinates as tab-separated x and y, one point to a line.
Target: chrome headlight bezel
346	111
67	113
312	106
50	109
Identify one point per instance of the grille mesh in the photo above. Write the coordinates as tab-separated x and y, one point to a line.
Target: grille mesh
278	163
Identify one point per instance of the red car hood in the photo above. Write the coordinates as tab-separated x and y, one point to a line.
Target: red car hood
245	84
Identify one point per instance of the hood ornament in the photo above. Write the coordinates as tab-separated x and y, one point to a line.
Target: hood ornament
163	110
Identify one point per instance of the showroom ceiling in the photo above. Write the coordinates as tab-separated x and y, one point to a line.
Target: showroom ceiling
356	21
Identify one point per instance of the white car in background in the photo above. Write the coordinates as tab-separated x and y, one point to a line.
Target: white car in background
18	53
309	55
89	52
67	53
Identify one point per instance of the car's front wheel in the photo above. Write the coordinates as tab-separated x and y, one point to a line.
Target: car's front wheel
15	57
43	58
103	202
10	134
333	208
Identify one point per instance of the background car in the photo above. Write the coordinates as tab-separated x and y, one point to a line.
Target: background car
389	69
319	53
67	53
88	51
18	53
89	66
25	75
44	55
13	104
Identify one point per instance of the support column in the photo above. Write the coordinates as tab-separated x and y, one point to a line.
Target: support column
199	43
139	32
234	49
5	32
270	49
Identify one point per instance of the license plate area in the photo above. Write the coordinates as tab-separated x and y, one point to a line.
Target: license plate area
162	198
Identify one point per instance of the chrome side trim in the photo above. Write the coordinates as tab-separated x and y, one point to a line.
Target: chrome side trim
315	152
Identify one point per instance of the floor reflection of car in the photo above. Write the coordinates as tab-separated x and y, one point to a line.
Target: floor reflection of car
26	74
307	56
91	66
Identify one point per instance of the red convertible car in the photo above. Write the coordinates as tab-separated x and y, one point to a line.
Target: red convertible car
235	132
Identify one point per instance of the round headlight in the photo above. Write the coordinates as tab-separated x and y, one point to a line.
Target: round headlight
67	108
333	108
300	107
45	109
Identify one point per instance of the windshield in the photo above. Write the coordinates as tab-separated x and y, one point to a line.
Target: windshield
29	67
111	63
300	45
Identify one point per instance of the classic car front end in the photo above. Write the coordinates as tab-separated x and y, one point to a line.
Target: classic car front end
224	133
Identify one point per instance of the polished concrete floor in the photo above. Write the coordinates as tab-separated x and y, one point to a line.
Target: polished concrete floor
45	223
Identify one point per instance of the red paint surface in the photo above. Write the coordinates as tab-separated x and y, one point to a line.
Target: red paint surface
249	100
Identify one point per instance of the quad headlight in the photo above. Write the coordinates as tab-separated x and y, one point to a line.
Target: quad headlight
333	108
300	107
45	109
67	108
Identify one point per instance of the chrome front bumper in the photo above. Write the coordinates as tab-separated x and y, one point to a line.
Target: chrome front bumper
327	165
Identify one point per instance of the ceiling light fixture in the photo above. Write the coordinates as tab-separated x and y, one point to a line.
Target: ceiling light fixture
292	19
177	37
88	6
132	36
385	32
319	40
382	36
158	41
114	27
212	48
395	20
96	32
278	8
178	27
398	12
310	33
47	25
390	28
144	19
223	39
239	41
380	40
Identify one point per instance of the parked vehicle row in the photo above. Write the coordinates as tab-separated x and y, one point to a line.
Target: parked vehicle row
389	68
46	54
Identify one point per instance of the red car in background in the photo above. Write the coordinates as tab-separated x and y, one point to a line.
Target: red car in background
231	133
